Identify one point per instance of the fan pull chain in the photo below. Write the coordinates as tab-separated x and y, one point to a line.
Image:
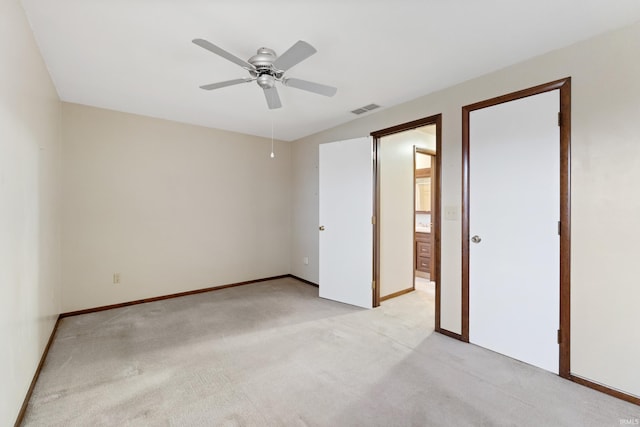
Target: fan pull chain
272	154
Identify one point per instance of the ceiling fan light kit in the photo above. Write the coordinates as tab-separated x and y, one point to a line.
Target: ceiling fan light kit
266	68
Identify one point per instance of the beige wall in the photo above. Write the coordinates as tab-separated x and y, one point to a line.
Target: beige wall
397	189
170	207
605	206
29	208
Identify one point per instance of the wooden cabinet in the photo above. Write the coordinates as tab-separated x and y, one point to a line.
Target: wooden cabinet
423	252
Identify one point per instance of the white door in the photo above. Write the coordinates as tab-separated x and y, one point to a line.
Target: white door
346	233
514	270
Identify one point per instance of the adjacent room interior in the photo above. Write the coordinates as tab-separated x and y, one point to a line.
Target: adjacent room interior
166	251
405	209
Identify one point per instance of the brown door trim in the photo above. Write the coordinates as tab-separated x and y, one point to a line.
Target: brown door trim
564	85
377	135
413	273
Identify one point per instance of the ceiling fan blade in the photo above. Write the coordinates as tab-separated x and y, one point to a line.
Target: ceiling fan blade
221	52
296	54
311	87
273	100
226	83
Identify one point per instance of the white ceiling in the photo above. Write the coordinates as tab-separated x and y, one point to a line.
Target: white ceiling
136	55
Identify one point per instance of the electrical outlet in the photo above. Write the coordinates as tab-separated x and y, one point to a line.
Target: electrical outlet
305	260
116	278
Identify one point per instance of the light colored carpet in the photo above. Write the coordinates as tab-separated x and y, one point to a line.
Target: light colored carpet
274	354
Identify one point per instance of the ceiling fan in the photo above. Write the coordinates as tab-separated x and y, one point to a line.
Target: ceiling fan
267	68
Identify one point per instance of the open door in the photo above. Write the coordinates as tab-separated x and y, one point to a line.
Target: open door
346	232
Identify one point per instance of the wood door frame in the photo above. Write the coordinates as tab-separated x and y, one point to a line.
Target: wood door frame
377	136
564	121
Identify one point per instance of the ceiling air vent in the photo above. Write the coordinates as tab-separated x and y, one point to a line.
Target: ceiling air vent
366	108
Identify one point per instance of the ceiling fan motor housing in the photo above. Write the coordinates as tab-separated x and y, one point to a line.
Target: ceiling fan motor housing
263	59
264	71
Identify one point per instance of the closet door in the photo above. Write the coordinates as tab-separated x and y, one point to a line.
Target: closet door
514	248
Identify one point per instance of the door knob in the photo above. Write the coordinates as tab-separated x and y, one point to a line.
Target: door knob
321	228
476	239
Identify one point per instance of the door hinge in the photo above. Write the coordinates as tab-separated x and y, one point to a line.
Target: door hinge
559	119
373	220
373	285
559	337
559	228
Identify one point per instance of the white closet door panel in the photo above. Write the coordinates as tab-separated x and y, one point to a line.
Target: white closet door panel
514	271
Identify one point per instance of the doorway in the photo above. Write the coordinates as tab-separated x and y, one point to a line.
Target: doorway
394	207
515	226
